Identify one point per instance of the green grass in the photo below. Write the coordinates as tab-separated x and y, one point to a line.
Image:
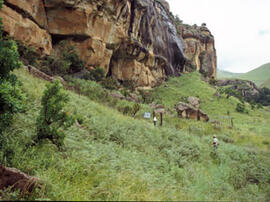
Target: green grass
221	74
259	75
266	84
116	157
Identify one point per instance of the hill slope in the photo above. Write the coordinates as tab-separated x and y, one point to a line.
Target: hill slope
226	75
115	157
266	84
258	75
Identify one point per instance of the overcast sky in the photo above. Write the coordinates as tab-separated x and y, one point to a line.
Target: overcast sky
241	29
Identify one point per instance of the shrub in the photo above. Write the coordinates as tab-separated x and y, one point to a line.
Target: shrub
125	109
147	96
28	54
90	89
110	83
135	109
240	107
53	65
130	85
52	116
70	55
97	74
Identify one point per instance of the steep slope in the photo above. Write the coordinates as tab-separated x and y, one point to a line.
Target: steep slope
131	40
258	75
130	159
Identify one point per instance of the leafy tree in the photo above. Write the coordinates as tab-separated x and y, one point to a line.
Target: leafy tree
53	119
9	58
11	97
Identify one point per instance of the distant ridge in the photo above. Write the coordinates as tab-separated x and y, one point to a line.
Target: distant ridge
260	76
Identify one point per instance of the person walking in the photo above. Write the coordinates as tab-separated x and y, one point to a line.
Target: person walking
155	120
215	142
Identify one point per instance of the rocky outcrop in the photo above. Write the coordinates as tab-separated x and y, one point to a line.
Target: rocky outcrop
187	111
132	40
200	49
24	29
247	89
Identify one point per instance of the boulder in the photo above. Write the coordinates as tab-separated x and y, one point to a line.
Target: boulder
11	177
187	111
194	101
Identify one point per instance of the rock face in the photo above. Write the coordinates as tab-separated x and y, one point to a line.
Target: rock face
133	40
246	88
25	30
200	49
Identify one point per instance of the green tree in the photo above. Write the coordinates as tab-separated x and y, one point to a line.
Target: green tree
53	119
11	97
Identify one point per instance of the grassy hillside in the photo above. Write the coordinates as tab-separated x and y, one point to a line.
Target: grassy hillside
260	76
266	84
115	157
226	75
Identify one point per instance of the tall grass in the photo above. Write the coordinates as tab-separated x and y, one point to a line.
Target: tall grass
115	157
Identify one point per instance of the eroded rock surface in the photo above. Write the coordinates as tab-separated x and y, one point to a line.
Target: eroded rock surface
134	40
200	49
188	111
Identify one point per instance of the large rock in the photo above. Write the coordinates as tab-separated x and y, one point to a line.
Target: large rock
194	101
11	177
246	88
25	30
187	111
200	49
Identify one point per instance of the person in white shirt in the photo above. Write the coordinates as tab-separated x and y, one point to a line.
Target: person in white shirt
155	120
215	142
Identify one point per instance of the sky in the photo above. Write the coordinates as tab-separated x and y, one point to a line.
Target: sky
241	29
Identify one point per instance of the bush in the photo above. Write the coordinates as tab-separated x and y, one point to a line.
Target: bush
53	65
90	89
52	117
240	107
125	109
147	96
28	54
70	55
110	83
135	109
130	85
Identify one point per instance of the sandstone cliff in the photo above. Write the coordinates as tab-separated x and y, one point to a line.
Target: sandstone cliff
200	49
130	39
